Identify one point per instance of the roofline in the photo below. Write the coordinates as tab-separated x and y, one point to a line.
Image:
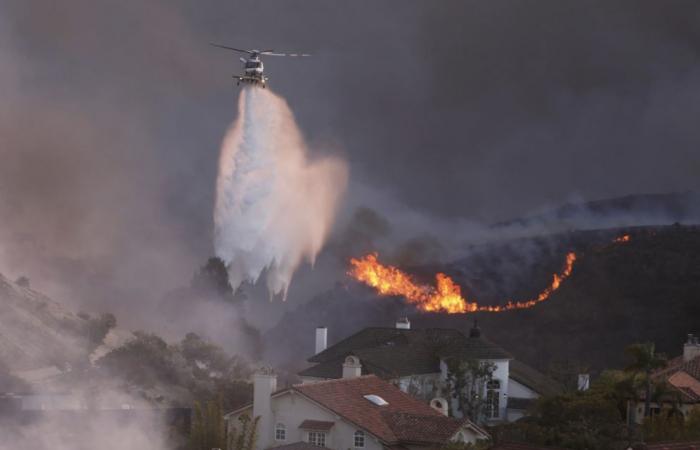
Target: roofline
527	385
466	423
250	405
403	330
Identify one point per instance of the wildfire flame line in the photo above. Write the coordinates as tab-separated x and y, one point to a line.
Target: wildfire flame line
446	295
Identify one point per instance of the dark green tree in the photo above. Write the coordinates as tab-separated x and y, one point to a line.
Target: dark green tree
643	361
144	360
245	435
212	279
466	382
98	327
208	427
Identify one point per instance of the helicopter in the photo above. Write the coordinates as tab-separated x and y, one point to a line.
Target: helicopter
253	69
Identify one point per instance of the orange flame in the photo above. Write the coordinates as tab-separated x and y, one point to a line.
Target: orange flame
446	295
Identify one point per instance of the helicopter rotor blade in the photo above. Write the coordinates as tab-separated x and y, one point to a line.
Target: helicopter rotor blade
271	53
231	48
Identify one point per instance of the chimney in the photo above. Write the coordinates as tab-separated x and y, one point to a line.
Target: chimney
321	339
584	381
440	405
264	385
352	368
402	323
691	349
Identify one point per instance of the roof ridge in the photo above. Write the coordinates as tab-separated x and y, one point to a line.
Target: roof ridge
334	380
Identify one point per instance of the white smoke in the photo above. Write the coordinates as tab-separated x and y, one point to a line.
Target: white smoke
274	206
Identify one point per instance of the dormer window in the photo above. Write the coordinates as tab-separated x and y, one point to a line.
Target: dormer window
359	439
280	432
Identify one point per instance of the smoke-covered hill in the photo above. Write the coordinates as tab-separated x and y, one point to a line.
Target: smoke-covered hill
36	332
46	348
647	289
648	209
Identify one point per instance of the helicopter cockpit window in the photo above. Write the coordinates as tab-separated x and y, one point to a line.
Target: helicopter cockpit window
252	64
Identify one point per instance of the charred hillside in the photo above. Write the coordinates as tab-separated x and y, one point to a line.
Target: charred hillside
647	289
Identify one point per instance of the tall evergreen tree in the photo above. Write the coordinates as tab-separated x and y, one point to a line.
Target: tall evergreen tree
644	360
208	427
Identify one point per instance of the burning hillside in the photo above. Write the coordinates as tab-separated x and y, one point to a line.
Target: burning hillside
644	289
445	295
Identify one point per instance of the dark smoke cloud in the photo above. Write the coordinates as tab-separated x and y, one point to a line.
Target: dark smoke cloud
112	114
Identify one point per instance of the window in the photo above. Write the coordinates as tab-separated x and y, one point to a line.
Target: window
359	439
317	438
492	407
280	432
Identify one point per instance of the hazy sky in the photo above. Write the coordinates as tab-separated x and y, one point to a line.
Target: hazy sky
112	112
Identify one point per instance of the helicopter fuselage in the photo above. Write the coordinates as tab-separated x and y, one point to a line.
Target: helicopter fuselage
253	72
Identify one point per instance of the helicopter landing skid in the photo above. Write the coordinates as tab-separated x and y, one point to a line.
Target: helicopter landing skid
250	80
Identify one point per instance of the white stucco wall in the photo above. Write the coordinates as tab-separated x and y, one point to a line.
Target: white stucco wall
292	409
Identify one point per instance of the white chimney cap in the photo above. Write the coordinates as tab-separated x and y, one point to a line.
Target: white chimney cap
403	323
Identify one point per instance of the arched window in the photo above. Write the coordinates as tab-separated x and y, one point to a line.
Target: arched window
493	395
359	439
280	432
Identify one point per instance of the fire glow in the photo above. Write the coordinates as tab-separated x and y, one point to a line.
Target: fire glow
445	295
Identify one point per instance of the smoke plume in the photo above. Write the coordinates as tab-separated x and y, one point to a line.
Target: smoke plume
274	205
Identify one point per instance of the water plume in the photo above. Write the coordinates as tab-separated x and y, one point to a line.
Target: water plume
274	205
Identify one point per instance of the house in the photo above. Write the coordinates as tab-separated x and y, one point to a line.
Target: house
681	376
692	445
417	360
521	446
363	412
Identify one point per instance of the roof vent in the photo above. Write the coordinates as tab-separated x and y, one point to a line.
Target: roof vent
377	400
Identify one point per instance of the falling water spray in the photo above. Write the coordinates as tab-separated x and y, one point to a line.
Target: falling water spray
274	205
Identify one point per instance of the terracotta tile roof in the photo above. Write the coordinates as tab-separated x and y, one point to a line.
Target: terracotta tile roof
319	425
412	428
694	445
298	446
689	395
677	364
692	368
682	375
346	398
